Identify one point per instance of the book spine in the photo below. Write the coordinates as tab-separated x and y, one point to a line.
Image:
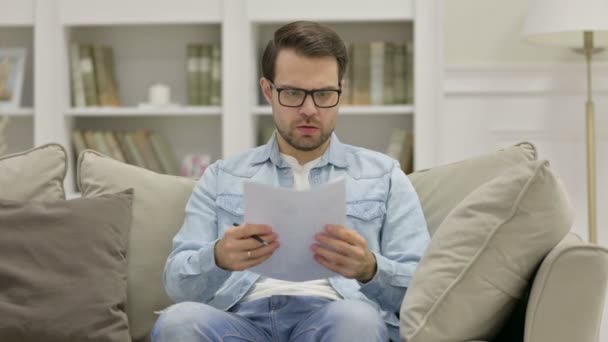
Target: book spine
376	73
361	76
87	68
192	62
78	95
205	74
112	82
101	75
216	75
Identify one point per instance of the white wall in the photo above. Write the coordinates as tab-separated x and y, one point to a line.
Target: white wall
500	89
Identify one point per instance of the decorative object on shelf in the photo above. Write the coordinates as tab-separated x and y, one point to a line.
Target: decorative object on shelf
3	140
581	27
194	165
12	70
159	96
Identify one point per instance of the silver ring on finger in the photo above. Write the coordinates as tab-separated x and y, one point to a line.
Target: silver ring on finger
249	254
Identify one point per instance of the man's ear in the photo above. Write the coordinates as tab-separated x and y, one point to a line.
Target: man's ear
266	89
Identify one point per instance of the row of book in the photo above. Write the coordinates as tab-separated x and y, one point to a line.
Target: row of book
379	73
204	74
141	148
401	148
93	76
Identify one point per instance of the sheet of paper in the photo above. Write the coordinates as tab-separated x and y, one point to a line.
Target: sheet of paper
296	216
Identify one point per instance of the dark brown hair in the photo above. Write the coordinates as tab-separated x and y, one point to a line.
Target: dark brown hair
306	38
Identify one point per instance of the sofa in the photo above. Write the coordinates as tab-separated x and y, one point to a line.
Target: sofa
502	264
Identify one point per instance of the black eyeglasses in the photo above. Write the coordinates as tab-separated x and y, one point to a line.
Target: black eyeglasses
295	97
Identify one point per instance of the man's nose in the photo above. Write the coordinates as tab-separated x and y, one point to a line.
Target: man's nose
308	108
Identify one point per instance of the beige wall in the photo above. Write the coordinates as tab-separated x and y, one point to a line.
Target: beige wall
488	32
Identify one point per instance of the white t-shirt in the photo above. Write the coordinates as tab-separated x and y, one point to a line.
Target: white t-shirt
266	287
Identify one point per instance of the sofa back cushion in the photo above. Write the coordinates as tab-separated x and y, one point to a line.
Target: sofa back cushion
158	212
63	269
441	188
483	254
35	174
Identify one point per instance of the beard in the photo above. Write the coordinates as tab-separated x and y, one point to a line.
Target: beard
307	143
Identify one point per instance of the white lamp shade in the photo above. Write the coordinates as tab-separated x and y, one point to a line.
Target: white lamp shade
562	22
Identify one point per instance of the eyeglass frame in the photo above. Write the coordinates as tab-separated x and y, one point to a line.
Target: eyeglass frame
306	93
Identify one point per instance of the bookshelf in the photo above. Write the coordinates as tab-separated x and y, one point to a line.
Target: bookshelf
149	40
17	31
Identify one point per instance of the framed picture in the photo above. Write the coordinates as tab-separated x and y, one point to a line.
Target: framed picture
12	70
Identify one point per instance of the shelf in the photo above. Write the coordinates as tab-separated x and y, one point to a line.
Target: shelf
18	112
137	12
266	11
144	112
356	110
21	13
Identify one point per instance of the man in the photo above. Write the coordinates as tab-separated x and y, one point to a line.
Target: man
375	255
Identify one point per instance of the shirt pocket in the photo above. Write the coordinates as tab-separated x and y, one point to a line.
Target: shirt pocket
367	217
230	211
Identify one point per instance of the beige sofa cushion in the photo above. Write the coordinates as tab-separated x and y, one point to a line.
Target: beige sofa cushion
482	255
570	287
441	188
63	270
35	174
158	212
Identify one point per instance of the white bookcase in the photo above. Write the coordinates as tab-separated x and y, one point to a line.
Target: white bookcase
149	39
17	31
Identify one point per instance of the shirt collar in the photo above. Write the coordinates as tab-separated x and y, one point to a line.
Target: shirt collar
335	154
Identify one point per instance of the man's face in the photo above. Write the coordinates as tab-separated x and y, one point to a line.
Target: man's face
306	127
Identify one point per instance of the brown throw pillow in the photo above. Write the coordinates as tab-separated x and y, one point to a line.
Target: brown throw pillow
63	269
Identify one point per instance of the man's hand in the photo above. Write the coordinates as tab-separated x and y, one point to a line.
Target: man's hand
238	251
344	251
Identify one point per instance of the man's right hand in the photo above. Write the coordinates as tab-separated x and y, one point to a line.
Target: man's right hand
238	251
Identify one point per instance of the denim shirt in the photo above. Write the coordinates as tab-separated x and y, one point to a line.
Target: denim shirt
381	205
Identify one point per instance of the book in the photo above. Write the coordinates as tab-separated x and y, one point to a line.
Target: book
192	77
133	150
399	74
396	142
361	73
120	138
406	159
87	69
78	94
142	142
78	142
115	150
102	78
205	74
112	83
389	70
216	75
376	73
164	154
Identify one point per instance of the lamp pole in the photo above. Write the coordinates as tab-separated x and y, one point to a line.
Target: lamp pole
590	118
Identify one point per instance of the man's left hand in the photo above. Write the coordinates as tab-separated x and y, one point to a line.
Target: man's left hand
344	251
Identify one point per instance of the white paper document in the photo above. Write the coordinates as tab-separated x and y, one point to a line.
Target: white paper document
295	216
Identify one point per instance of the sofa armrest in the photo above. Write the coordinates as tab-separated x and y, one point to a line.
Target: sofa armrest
567	297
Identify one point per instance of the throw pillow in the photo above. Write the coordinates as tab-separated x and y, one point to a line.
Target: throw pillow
63	269
158	212
483	254
35	174
441	188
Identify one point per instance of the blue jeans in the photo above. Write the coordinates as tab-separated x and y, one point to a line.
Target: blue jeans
276	319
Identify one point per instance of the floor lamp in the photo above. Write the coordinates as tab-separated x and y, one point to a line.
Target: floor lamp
580	25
